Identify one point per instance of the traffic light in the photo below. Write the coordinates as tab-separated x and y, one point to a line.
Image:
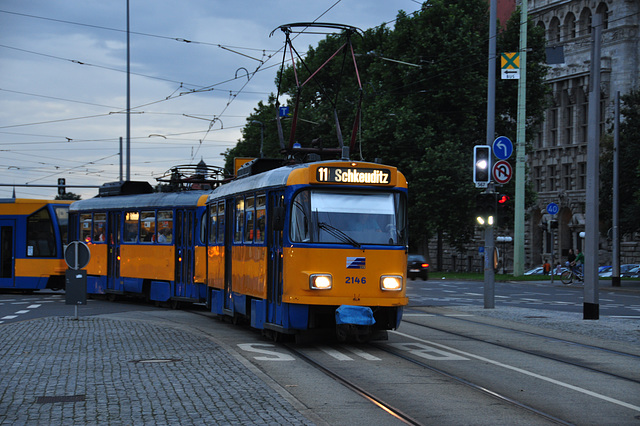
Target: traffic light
481	165
61	187
504	209
486	208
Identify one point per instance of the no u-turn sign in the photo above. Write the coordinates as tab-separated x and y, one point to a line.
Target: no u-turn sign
502	172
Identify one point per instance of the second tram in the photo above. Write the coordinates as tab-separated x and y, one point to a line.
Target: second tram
32	234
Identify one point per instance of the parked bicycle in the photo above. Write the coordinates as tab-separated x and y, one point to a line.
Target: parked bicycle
572	273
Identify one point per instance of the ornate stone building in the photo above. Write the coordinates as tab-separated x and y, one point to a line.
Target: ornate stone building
557	161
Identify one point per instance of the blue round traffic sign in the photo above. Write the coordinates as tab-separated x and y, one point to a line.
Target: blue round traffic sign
552	208
502	147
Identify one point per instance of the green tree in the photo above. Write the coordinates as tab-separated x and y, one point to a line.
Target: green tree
249	144
424	88
68	196
629	168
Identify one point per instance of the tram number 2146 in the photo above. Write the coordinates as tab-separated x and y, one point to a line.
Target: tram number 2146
355	280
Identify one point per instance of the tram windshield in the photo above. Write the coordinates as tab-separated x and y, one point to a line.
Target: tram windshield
349	218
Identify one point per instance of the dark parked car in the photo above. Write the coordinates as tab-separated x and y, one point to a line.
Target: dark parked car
417	266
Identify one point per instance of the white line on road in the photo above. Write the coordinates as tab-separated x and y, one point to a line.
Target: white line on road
525	372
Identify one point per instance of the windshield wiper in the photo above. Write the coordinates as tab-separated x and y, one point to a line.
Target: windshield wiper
337	233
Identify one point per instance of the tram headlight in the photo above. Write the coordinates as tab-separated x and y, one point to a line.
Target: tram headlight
320	282
391	282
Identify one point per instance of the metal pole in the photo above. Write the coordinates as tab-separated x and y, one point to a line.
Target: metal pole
518	226
489	274
128	99
553	254
120	158
615	276
591	308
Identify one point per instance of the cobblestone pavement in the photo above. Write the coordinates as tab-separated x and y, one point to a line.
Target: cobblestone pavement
61	371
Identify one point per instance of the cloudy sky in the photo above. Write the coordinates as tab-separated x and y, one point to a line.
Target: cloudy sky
63	88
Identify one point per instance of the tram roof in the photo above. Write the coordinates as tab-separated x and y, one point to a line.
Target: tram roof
141	201
269	179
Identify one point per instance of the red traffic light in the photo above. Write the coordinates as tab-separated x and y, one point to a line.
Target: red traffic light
503	198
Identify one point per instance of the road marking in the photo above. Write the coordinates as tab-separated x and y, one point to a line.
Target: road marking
525	372
418	315
336	354
361	353
8	317
33	306
270	355
24	311
428	352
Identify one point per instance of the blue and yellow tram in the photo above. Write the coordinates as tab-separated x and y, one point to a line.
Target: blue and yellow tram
144	243
310	246
32	234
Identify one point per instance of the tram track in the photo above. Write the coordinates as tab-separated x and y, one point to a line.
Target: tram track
388	408
399	414
501	397
536	353
374	387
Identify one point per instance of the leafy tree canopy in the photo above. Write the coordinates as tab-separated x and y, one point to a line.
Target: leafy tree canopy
424	94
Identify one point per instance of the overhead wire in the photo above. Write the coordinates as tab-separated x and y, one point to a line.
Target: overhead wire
232	95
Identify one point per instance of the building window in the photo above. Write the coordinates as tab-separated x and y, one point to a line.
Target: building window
553	127
603	10
538	178
582	175
570	26
584	127
568	122
554	30
551	178
567	178
585	21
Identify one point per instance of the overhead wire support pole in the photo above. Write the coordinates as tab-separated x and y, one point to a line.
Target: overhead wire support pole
128	99
518	226
591	309
615	276
489	273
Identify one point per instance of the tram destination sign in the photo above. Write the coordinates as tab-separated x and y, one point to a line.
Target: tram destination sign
354	175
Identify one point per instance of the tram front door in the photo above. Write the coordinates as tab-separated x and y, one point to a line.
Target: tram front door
185	234
274	266
114	282
7	248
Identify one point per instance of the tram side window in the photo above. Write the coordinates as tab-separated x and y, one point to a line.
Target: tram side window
85	227
250	215
221	222
62	215
165	226
131	227
261	218
147	227
40	236
204	219
239	220
300	218
213	223
99	230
